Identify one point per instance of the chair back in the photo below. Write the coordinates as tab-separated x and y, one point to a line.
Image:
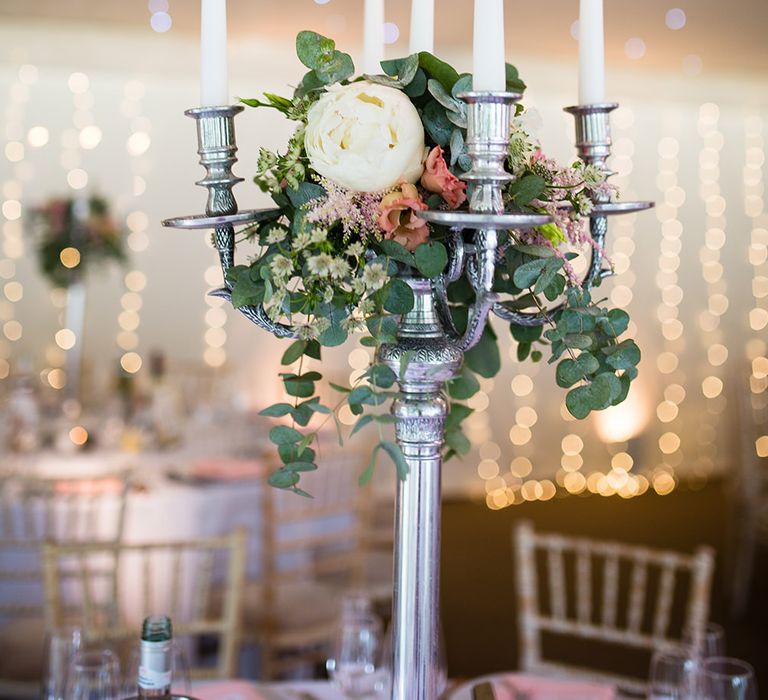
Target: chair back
322	537
178	579
36	509
573	586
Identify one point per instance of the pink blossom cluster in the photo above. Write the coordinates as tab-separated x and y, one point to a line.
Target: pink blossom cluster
357	212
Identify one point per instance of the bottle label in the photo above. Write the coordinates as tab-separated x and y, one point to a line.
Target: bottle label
155	665
151	679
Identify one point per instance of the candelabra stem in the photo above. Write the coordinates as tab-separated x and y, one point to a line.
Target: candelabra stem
423	358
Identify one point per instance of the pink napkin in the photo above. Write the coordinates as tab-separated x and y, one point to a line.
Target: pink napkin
536	688
227	690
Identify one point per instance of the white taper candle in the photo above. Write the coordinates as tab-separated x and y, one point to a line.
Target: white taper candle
422	36
373	36
591	52
488	46
214	88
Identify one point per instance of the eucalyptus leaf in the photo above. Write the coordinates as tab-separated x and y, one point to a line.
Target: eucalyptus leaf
283	435
398	296
438	69
431	258
283	478
294	352
442	95
456	415
527	274
276	410
366	476
396	455
397	251
436	123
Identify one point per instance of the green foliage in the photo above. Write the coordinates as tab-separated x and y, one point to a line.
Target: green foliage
594	365
319	54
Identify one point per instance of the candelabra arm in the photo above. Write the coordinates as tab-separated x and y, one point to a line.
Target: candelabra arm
217	147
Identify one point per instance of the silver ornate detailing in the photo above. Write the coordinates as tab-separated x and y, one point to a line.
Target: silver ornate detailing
217	147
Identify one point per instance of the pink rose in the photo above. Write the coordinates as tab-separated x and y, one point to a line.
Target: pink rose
398	217
437	178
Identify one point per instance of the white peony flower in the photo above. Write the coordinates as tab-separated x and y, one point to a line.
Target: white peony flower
365	137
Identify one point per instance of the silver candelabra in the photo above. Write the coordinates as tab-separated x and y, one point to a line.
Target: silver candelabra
426	335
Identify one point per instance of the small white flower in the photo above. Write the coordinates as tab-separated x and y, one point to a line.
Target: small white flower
584	204
321	325
593	176
318	235
320	265
365	308
305	332
374	276
328	295
301	240
355	249
276	235
352	324
281	266
358	285
339	268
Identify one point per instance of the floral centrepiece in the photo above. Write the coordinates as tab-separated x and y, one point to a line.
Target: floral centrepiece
368	154
75	234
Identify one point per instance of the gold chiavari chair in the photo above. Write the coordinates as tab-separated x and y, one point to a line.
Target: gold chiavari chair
580	596
312	553
173	578
34	510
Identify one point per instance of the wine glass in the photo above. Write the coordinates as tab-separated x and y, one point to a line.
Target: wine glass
61	644
673	675
357	665
93	675
723	678
712	641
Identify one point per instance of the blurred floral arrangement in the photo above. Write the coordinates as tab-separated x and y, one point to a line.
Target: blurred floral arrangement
74	235
367	155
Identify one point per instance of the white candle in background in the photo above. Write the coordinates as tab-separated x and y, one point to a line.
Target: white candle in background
214	88
489	71
373	36
591	52
422	37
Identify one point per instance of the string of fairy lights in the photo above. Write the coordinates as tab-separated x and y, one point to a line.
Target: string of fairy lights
12	210
137	146
669	451
709	319
757	253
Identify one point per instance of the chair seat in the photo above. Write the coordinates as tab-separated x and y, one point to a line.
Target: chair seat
22	642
